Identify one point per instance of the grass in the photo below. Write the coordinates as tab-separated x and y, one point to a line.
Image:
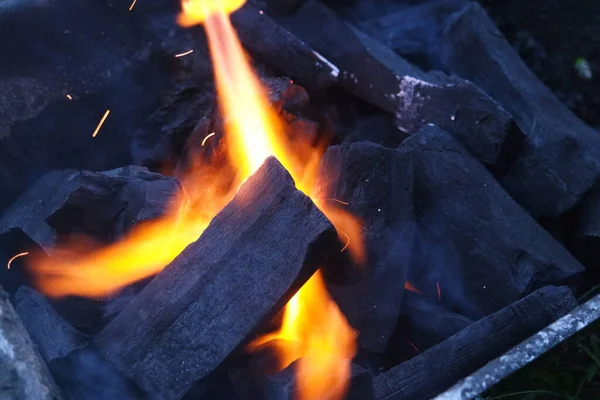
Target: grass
570	371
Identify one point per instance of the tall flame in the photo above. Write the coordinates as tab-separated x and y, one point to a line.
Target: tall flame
324	340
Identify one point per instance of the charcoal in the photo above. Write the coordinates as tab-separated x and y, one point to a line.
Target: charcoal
30	210
429	373
218	291
274	45
585	243
107	204
376	74
283	385
377	128
377	184
23	373
561	159
425	322
53	336
472	237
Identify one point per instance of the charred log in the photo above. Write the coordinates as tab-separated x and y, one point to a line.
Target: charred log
472	236
53	336
23	373
375	73
561	159
377	185
216	293
429	373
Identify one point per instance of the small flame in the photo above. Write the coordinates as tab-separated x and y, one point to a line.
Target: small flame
15	257
101	122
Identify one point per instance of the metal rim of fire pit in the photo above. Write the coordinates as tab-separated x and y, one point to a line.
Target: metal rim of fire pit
525	352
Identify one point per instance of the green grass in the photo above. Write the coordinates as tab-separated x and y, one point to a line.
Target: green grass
570	371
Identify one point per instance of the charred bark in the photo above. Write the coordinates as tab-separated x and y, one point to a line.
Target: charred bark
247	264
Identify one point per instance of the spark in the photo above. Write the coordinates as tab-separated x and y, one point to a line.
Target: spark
347	242
413	346
206	138
69	97
184	54
132	5
101	122
16	256
339	201
437	284
261	12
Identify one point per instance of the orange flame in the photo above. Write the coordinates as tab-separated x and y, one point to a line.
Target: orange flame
254	132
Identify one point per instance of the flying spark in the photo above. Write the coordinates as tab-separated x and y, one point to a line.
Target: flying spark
17	256
69	97
101	122
413	346
184	54
207	136
437	284
132	5
339	201
347	242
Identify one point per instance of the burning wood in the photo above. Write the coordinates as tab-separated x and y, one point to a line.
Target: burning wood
162	339
375	73
23	374
427	374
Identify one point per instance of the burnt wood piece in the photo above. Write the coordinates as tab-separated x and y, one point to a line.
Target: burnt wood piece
109	203
23	373
281	50
429	373
561	159
53	336
425	322
243	269
283	385
373	72
30	210
472	238
377	184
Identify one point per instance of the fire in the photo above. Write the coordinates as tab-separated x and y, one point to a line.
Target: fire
324	340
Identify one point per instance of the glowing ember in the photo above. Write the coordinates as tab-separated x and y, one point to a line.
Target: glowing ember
132	5
101	122
15	257
69	97
206	138
184	54
410	286
439	292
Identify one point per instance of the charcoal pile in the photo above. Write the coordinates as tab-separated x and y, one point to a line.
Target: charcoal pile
280	199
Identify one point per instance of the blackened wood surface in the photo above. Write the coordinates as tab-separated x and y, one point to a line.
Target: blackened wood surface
372	71
255	253
441	366
377	184
23	373
53	336
473	239
561	159
274	45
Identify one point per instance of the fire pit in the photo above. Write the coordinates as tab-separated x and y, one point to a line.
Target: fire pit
265	200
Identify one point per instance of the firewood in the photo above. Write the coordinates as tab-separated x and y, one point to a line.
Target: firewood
280	49
561	159
23	373
243	269
472	238
53	336
376	74
377	185
429	373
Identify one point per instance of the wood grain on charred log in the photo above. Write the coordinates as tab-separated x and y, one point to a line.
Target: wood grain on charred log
429	373
255	253
473	239
375	73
